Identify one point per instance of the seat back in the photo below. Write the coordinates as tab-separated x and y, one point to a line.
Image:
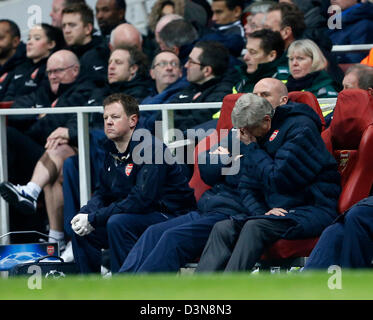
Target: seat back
6	104
350	139
310	99
224	122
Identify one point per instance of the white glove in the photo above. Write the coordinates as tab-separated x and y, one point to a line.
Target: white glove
81	225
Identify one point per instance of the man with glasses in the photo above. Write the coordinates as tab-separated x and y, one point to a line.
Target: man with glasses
47	142
206	67
168	81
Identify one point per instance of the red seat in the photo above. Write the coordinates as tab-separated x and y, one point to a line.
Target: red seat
310	99
6	104
350	139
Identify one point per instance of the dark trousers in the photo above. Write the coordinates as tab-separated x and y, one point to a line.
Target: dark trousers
347	243
167	246
71	192
232	248
119	235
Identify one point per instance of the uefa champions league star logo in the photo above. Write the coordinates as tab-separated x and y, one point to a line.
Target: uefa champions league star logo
16	258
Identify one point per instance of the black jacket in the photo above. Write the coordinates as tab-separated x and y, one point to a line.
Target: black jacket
26	78
128	186
7	70
213	90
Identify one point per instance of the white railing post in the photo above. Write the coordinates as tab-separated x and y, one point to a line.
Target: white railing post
84	158
4	207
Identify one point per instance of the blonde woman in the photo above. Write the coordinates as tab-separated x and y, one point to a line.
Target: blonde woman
307	66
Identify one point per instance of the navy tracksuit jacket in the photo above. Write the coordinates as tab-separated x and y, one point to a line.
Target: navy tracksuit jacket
131	196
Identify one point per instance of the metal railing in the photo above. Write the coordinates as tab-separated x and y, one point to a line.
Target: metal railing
83	140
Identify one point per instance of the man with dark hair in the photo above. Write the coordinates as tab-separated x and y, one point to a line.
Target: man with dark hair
77	27
227	16
133	194
57	7
206	67
264	59
109	14
12	53
286	19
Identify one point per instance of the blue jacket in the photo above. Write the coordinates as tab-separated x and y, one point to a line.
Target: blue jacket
224	196
126	186
357	26
290	168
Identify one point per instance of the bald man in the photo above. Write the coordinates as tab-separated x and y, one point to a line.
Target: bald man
125	35
273	90
53	138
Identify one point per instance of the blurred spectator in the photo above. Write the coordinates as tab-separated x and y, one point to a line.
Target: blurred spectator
57	133
368	60
12	53
257	16
109	14
206	67
77	27
125	34
43	40
227	16
127	73
163	22
189	10
290	22
264	59
57	7
357	26
168	81
358	76
307	66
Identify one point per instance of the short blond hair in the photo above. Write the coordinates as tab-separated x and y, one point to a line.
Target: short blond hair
310	49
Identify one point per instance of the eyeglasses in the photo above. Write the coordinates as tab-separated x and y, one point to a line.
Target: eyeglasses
58	70
190	61
164	64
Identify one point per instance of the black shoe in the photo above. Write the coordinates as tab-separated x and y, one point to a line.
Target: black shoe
16	197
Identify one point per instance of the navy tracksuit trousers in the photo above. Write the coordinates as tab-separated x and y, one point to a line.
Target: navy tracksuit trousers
119	235
167	246
347	243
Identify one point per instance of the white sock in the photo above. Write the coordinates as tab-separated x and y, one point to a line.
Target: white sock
55	236
32	189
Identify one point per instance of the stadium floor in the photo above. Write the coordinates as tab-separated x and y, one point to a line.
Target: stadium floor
241	286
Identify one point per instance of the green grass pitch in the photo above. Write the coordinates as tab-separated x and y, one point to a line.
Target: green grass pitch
240	286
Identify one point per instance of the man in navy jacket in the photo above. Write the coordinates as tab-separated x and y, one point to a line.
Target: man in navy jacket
290	186
138	187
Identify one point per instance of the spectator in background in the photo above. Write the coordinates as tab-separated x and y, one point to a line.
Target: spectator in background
43	40
264	59
357	26
168	81
307	67
12	53
290	22
227	16
57	133
125	34
162	23
56	12
77	27
358	76
206	67
109	14
257	16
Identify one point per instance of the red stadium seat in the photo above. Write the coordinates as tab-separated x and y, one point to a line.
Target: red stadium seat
310	99
6	104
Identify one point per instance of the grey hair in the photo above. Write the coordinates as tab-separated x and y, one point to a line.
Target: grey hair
364	74
250	110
